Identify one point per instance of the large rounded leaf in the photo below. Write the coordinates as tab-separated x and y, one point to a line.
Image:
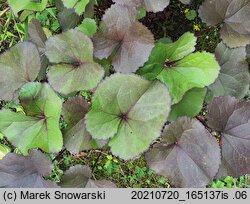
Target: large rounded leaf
79	177
40	127
76	137
17	171
235	14
126	41
234	76
122	105
74	69
188	155
181	70
19	65
231	118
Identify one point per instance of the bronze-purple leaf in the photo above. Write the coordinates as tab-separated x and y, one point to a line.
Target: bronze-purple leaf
231	118
188	155
234	77
73	68
18	65
235	14
127	42
38	37
75	136
17	171
79	177
76	177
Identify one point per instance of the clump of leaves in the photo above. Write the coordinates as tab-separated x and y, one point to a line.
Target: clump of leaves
189	156
127	112
181	70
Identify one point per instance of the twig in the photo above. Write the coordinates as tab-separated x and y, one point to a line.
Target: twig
59	154
96	162
4	11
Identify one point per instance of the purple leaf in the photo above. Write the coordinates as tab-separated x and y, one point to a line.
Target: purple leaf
231	118
79	177
17	171
73	68
188	155
18	65
38	37
76	138
235	14
127	41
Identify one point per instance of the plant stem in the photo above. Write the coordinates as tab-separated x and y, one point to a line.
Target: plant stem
59	154
4	11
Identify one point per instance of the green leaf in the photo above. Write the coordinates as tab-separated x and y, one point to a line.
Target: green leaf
165	51
190	105
141	13
191	15
122	105
17	5
40	127
4	150
181	70
19	65
73	67
88	26
78	5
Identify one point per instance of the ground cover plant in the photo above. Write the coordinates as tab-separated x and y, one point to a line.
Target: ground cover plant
89	101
